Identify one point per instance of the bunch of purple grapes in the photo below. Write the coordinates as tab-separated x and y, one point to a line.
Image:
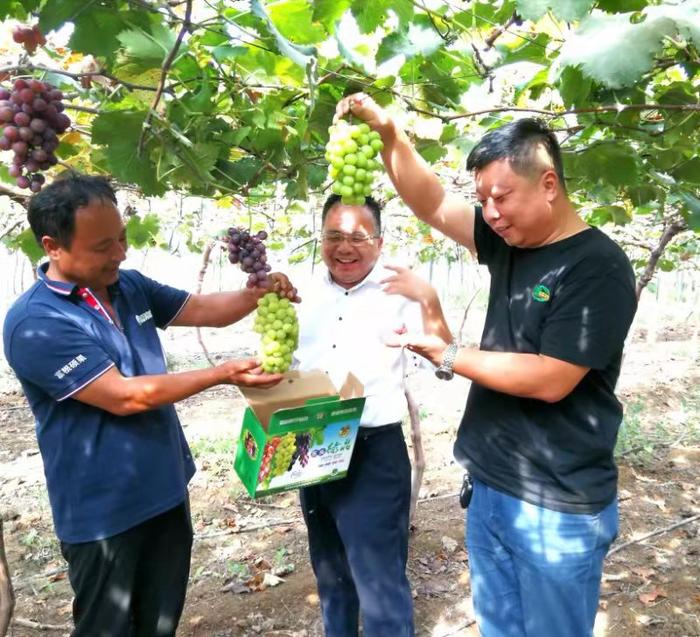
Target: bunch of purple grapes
31	116
303	444
249	251
301	453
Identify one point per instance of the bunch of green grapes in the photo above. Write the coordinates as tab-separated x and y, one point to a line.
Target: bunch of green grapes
277	322
351	153
283	455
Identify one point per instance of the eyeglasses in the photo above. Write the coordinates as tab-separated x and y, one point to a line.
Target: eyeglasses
354	239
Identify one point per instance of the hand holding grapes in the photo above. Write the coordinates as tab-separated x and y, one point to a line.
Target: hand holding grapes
247	373
281	284
363	107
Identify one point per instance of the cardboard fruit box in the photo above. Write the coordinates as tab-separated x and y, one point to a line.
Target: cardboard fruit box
298	433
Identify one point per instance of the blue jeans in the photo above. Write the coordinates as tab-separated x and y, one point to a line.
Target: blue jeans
535	572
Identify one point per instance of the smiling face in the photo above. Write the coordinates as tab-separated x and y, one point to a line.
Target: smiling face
350	264
96	249
519	208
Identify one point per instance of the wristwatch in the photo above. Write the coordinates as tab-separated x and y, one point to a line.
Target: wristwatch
445	371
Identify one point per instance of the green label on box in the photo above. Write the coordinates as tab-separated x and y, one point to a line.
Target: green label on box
303	445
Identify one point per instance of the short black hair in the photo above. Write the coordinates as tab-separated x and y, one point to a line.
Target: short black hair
370	203
51	211
518	142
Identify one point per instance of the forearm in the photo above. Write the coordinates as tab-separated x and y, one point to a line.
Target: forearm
433	317
124	396
523	375
142	393
411	175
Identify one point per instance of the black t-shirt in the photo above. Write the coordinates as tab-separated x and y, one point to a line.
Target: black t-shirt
573	300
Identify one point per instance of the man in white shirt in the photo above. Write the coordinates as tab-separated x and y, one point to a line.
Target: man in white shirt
358	526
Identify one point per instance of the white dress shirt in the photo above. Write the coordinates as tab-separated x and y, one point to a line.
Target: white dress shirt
343	331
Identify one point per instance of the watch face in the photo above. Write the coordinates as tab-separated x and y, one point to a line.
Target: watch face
443	374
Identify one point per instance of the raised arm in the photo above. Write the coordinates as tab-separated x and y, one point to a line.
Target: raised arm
220	309
413	178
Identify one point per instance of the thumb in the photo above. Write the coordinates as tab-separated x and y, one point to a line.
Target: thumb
247	364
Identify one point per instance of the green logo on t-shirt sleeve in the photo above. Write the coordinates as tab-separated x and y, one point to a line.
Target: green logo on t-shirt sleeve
541	293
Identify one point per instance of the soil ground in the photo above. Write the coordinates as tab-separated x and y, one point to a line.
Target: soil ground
650	587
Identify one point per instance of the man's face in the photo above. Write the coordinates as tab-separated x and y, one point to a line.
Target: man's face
517	207
97	248
349	262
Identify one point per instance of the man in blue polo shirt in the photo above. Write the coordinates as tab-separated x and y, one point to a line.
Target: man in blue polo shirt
83	342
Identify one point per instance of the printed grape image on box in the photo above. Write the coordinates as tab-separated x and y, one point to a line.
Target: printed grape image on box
298	433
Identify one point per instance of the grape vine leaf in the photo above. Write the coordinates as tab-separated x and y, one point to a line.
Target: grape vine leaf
26	242
574	86
141	233
619	6
299	54
608	163
119	132
96	32
568	10
56	13
370	13
420	38
692	215
148	49
615	51
295	21
328	12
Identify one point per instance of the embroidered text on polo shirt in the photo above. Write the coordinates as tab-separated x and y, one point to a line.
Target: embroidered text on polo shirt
69	366
142	318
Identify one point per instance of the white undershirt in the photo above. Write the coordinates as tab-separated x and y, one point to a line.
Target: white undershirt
342	331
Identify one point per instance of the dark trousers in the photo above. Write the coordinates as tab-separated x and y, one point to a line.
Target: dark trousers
132	584
358	539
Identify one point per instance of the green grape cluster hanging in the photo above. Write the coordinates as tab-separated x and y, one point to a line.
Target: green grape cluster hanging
351	153
276	322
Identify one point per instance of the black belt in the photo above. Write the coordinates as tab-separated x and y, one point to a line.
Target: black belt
368	432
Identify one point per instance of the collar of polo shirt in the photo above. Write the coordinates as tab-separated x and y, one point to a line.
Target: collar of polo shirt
67	289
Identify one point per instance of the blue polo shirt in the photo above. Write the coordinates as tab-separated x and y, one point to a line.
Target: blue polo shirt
105	473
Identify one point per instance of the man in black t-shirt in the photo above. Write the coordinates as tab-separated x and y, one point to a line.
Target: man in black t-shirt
541	419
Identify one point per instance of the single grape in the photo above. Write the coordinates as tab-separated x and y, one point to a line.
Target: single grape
38	125
20	148
11	133
26	95
25	133
22	119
